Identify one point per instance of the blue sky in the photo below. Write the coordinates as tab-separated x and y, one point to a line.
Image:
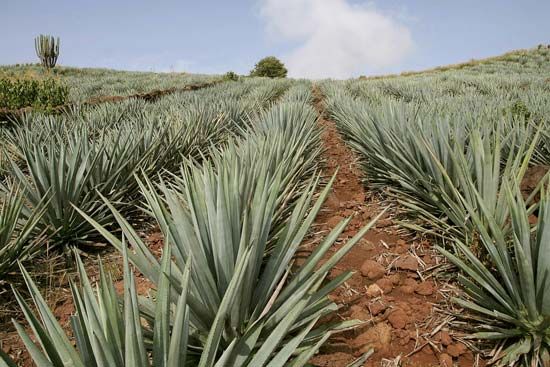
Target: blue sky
316	38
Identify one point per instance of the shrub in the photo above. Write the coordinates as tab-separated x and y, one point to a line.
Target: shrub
270	67
520	110
40	93
230	75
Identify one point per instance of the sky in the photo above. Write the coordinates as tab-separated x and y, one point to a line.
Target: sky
314	38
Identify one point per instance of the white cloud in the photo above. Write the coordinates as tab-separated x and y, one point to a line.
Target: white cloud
335	38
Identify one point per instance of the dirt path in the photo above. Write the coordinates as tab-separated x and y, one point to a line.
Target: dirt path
391	290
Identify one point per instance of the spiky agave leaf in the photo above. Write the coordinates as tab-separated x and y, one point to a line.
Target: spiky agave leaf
104	329
511	293
427	159
215	213
285	138
19	239
108	328
226	233
71	170
64	175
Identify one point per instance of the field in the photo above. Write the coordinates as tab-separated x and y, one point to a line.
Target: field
390	221
88	83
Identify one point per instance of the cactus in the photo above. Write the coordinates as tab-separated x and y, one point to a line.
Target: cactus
47	49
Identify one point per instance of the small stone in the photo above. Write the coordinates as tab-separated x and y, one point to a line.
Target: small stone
359	313
466	359
374	291
445	360
406	289
428	350
456	349
384	333
377	308
385	284
372	270
407	262
409	286
410	282
425	289
395	279
398	319
378	337
404	336
445	338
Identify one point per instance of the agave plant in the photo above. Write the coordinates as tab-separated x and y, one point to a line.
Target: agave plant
511	293
63	174
268	92
286	138
221	221
19	238
427	161
300	92
72	168
245	307
108	329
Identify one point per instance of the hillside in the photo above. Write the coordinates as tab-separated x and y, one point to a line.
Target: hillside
86	83
526	61
400	220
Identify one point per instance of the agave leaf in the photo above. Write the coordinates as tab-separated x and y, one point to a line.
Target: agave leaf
282	357
177	354
161	331
134	351
212	344
51	336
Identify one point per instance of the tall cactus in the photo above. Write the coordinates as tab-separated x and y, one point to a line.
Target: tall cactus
47	49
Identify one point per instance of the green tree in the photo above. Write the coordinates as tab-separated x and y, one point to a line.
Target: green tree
270	67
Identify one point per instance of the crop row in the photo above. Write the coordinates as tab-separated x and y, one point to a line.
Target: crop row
230	174
454	151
